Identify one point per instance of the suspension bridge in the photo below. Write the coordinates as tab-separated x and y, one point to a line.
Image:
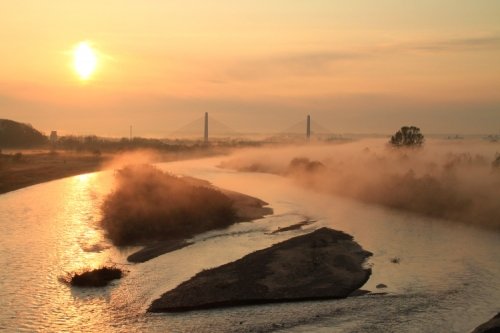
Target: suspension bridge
207	127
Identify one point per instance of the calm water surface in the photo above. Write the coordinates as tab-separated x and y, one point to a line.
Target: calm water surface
446	281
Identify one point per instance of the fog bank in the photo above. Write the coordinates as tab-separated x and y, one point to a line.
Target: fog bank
455	180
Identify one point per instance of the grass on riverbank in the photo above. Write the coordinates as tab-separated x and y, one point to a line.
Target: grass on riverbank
24	168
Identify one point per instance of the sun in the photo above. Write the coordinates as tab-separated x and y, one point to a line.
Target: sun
84	60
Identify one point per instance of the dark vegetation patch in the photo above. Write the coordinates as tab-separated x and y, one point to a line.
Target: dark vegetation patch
187	146
407	136
18	135
395	260
302	164
149	204
98	277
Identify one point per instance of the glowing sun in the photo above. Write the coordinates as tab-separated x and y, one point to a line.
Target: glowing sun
84	60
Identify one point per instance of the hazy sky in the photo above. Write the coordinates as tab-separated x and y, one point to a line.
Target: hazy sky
257	66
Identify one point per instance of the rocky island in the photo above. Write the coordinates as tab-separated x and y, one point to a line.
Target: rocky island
324	264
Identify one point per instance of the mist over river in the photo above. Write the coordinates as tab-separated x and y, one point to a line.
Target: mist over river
446	280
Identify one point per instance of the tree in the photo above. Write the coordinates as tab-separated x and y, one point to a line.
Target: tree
18	135
407	136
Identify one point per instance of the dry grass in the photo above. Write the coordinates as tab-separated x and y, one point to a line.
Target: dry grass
21	169
149	204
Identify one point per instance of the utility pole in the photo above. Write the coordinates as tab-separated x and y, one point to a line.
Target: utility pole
130	133
205	137
308	129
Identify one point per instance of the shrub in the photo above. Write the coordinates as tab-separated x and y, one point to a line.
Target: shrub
98	277
149	204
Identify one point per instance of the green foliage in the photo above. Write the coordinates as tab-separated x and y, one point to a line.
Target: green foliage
149	204
407	136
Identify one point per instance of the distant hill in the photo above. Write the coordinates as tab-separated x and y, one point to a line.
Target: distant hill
18	135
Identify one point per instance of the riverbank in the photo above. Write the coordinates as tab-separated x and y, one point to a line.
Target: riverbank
25	168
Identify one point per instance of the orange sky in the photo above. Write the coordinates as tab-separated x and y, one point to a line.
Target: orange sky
356	66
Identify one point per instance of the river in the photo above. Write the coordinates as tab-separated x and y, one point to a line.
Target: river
446	280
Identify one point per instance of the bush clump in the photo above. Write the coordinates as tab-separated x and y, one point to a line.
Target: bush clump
302	164
149	204
98	277
407	136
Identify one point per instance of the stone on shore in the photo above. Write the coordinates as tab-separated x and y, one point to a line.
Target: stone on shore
324	264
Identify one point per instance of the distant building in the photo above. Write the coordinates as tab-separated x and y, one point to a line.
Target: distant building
53	136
